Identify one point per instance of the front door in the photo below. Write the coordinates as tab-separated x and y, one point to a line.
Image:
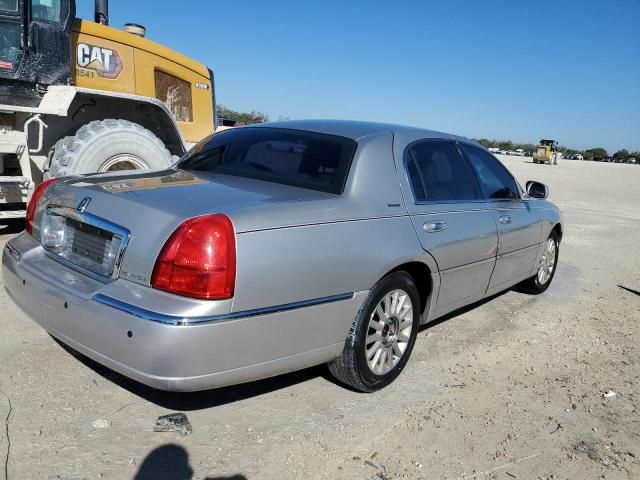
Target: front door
519	226
452	222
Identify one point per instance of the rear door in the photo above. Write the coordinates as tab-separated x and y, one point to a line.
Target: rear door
453	223
519	225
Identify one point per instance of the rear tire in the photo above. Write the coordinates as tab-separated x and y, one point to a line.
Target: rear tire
105	146
546	270
381	336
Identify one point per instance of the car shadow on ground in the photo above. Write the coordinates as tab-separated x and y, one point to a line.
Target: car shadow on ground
10	227
171	462
462	310
192	401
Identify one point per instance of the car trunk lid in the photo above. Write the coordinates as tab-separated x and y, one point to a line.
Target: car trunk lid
152	205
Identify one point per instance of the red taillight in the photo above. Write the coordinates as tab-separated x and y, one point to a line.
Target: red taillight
33	203
199	259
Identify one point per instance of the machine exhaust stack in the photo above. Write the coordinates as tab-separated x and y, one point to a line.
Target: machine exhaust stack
102	12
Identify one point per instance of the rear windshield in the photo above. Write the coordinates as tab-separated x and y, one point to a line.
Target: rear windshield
293	157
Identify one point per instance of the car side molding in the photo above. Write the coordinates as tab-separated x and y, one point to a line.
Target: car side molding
186	321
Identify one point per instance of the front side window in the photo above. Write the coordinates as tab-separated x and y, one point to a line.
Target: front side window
437	172
292	157
495	180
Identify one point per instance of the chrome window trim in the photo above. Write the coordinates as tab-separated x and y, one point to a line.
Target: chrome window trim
185	321
97	222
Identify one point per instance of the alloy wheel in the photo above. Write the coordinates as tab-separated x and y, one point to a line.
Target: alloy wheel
548	262
389	331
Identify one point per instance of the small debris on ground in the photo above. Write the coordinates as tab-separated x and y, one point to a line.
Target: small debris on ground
174	422
101	423
609	394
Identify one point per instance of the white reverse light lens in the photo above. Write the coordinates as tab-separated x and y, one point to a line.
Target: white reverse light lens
53	231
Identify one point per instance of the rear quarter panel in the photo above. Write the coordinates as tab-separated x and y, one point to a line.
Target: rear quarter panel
301	263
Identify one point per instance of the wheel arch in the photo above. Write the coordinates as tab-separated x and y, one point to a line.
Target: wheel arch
422	276
558	230
89	105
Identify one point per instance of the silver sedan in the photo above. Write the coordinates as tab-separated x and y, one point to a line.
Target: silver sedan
272	248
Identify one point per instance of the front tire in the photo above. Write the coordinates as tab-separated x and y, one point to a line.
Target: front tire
106	146
381	336
547	268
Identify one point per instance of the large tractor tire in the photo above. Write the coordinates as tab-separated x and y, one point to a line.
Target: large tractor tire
107	146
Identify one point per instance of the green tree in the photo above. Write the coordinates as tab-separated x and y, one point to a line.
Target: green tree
506	145
624	154
246	118
595	152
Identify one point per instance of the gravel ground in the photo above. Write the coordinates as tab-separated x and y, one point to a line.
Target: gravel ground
511	388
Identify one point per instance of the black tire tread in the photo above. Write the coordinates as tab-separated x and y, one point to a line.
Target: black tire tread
345	367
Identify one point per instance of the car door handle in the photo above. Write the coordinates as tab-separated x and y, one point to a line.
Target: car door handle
505	219
433	227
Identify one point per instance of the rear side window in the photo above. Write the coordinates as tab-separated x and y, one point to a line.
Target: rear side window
495	180
437	172
292	157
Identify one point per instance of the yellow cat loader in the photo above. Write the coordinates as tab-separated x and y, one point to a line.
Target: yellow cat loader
78	96
546	152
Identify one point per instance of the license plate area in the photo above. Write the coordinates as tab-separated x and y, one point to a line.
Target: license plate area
84	242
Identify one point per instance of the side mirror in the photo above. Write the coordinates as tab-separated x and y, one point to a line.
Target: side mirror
537	189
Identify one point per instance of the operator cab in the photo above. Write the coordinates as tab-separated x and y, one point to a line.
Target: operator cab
34	48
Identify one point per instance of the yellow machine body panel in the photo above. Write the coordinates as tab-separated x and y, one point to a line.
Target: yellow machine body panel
105	58
543	153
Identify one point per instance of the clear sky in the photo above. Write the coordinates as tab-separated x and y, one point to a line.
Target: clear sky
519	70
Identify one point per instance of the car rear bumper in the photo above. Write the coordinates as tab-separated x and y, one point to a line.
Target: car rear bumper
222	349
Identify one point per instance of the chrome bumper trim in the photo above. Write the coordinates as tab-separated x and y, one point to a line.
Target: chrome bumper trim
13	251
177	320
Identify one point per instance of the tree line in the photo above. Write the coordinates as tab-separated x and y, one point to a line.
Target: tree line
566	151
247	118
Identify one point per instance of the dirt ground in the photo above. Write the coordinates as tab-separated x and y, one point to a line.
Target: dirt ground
511	388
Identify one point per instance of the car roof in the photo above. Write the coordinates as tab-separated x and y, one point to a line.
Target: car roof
355	129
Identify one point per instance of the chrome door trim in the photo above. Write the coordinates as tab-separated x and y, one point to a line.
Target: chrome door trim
469	265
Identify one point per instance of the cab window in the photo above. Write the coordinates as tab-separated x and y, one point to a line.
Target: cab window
10	50
437	172
495	180
9	5
45	10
